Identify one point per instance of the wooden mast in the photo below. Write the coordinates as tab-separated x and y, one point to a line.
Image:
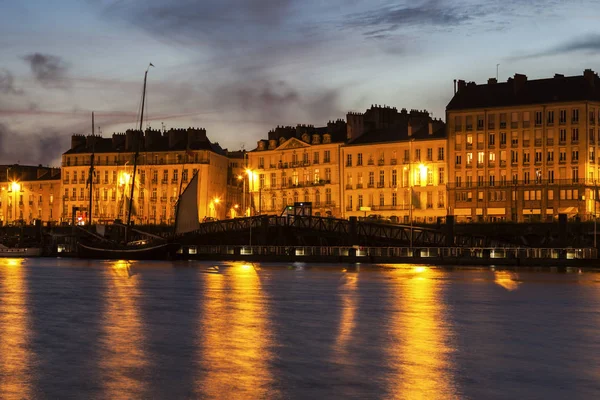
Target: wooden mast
91	177
137	152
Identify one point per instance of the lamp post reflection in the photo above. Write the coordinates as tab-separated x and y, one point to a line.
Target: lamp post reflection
123	342
421	339
234	336
15	358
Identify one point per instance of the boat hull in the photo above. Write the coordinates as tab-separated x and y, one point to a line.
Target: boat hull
161	251
21	252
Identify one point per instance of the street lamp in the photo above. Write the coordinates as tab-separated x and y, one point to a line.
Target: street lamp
15	186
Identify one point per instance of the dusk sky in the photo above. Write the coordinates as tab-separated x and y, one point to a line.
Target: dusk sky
241	67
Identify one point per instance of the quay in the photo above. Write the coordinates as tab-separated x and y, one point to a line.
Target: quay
458	256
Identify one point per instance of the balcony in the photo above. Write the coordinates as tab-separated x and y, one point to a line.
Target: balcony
153	199
153	181
479	165
502	125
538	142
575	161
491	126
349	208
65	181
371	185
380	184
502	163
73	198
261	166
359	185
491	164
469	165
479	125
525	143
172	199
514	143
457	146
371	162
469	127
550	162
480	146
359	163
73	180
469	146
348	187
562	161
82	180
174	180
163	199
393	161
380	162
165	181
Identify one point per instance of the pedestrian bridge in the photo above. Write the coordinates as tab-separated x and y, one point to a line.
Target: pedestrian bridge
324	231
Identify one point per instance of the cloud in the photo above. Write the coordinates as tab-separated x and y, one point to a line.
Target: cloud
585	44
431	13
49	70
7	83
44	146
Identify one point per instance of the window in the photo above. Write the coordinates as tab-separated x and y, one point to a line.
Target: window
550	118
316	176
304	158
441	178
327	156
394	178
514	139
469	159
371	179
550	176
575	135
316	157
418	155
538	118
381	178
348	160
502	138
563	117
480	122
350	202
165	175
429	154
526	157
328	175
440	154
458	160
360	201
359	159
538	156
562	136
381	199
261	162
575	174
394	199
575	155
491	139
575	115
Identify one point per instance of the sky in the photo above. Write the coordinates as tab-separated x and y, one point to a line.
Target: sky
242	67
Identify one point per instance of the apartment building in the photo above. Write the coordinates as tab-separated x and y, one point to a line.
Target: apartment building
29	193
524	150
167	161
397	171
297	164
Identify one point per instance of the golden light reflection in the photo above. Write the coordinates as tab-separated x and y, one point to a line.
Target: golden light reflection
15	358
123	342
422	344
508	280
235	336
348	317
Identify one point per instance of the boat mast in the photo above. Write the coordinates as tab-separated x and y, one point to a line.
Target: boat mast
137	152
91	178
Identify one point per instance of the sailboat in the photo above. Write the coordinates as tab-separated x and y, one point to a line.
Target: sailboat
152	248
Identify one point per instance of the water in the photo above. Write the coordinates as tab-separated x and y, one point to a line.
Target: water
87	329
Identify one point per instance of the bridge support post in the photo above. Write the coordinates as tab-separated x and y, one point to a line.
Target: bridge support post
264	226
449	242
562	229
353	234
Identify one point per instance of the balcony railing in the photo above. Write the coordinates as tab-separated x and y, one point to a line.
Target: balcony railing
380	162
348	187
393	161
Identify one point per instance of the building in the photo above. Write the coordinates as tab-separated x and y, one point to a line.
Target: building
235	201
395	166
524	150
29	193
297	164
381	162
167	161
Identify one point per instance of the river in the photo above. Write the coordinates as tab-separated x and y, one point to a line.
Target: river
104	330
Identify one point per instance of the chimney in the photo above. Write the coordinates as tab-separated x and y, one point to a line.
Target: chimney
430	128
558	76
455	86
77	140
590	76
492	81
409	129
519	82
461	85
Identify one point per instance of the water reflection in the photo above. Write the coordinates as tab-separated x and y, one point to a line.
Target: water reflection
508	280
123	356
347	319
421	343
235	335
15	358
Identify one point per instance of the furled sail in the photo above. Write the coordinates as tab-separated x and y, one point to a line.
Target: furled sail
187	209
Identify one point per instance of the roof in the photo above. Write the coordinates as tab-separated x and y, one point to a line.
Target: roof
400	133
28	173
520	91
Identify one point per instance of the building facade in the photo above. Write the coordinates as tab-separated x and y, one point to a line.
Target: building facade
395	170
297	164
381	162
524	150
167	161
29	193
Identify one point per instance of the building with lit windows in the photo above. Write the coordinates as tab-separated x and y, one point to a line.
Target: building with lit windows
29	193
396	169
385	162
524	150
297	164
167	161
235	200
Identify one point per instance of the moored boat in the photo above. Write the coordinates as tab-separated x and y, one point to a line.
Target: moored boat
17	252
112	251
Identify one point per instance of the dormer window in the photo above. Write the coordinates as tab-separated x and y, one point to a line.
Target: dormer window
327	138
316	139
305	138
261	145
